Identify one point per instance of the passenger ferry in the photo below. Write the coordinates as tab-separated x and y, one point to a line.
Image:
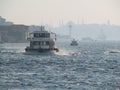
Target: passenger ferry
41	41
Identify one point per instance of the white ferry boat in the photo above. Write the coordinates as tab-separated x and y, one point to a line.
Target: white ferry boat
41	41
74	43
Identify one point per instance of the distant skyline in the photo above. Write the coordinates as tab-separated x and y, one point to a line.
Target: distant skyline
54	12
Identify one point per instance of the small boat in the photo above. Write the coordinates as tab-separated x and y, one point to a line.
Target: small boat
41	41
74	43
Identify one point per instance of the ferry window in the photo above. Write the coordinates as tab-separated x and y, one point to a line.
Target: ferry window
39	43
43	34
36	43
40	34
47	42
36	35
47	35
44	43
31	43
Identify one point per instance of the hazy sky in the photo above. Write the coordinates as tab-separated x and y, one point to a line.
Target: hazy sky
52	11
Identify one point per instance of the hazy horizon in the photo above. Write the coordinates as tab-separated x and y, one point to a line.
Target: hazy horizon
54	12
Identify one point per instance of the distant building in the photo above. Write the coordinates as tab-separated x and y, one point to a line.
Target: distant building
34	28
4	22
13	33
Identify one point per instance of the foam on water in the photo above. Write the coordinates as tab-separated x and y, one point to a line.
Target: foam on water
112	51
65	52
12	51
12	48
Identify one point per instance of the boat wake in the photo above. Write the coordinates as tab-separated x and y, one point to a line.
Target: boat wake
112	51
12	51
65	53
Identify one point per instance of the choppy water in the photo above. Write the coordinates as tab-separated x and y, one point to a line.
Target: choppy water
89	66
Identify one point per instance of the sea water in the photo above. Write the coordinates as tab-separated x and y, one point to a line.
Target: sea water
88	66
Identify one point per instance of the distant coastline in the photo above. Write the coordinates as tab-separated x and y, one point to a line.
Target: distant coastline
16	33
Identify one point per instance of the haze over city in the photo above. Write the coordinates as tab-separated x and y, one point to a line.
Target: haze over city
54	12
59	44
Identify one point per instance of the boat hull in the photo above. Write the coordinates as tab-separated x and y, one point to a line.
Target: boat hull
40	51
74	44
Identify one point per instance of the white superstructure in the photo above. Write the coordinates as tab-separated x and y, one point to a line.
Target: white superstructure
41	41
